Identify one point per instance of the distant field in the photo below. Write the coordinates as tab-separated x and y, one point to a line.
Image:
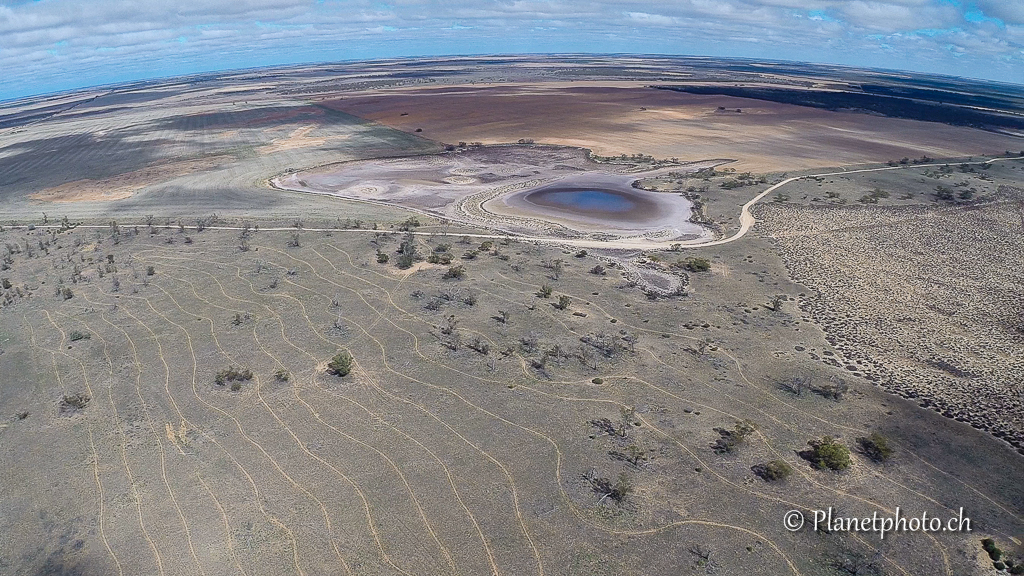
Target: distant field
626	118
176	153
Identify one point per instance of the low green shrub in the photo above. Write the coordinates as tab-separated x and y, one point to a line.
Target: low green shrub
341	364
828	453
694	264
454	273
774	471
231	374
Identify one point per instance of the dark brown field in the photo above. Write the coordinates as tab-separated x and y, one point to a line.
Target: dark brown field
615	118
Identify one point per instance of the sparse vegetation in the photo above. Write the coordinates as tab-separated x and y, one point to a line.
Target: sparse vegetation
827	453
232	374
729	440
457	367
617	490
454	273
341	364
70	404
774	470
876	447
695	264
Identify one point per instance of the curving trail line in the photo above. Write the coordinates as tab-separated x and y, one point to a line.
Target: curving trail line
347	269
747	219
415	501
380	308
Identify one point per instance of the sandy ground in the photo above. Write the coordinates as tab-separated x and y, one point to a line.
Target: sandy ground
124	185
299	138
626	118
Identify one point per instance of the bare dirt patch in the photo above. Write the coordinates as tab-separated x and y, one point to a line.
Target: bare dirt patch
627	118
124	185
299	138
413	269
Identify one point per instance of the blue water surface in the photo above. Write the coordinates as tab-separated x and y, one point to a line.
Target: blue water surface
596	200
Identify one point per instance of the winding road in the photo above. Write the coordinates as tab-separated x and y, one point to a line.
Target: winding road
747	219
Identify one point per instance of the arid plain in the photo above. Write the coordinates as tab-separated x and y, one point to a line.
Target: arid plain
309	321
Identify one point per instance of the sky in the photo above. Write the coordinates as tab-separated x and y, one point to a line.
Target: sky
55	45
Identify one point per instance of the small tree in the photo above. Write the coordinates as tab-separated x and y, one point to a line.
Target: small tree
835	388
556	268
341	364
828	453
545	291
563	302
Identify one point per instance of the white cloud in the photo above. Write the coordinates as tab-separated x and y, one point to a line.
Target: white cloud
1009	11
891	16
652	19
79	42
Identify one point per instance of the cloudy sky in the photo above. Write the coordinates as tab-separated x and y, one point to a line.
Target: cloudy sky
50	45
